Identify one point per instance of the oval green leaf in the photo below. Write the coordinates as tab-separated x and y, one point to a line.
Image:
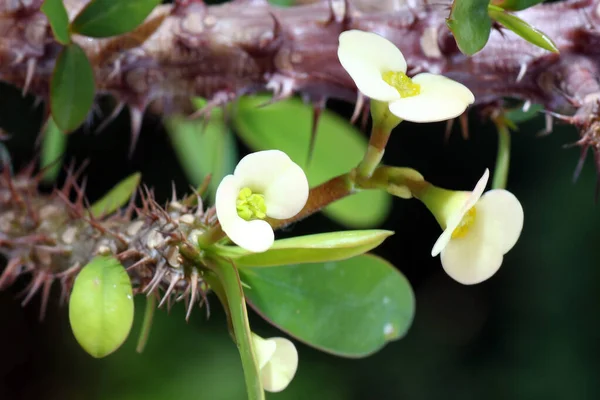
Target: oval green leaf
59	20
522	28
101	306
286	125
350	308
117	197
321	247
104	18
203	149
54	143
72	88
470	24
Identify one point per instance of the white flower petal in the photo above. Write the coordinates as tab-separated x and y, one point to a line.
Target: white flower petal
365	56
256	236
287	195
264	350
258	170
502	218
456	219
440	99
470	260
280	370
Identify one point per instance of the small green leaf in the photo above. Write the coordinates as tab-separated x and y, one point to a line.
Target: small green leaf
286	126
309	249
101	306
203	149
117	197
516	5
522	28
54	143
104	18
350	308
516	116
470	24
72	88
59	20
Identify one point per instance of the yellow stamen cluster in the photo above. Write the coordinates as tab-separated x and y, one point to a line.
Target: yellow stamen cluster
250	205
402	83
468	220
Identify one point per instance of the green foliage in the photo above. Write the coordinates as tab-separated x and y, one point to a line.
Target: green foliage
53	147
351	308
101	306
117	197
517	116
310	248
59	20
286	125
72	88
522	28
516	5
104	18
470	24
203	149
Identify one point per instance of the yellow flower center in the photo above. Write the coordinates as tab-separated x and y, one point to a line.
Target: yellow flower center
466	222
250	205
402	83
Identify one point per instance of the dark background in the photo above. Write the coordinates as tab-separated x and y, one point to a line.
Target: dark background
530	332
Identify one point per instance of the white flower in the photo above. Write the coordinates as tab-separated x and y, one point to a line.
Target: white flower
264	184
378	69
479	231
277	361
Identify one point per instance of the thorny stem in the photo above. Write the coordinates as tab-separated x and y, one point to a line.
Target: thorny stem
503	157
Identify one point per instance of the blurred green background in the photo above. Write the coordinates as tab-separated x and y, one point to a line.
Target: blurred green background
527	333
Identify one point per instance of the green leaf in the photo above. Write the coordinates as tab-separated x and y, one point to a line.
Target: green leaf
470	24
350	308
59	20
54	143
101	306
309	249
516	116
203	149
516	5
104	18
117	197
522	28
286	125
72	88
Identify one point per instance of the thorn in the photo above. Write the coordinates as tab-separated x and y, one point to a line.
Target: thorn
339	11
522	71
526	106
581	162
194	289
358	107
34	287
66	282
548	127
161	270
10	273
218	100
448	131
318	107
139	263
136	115
464	125
31	64
45	297
282	87
172	284
113	115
